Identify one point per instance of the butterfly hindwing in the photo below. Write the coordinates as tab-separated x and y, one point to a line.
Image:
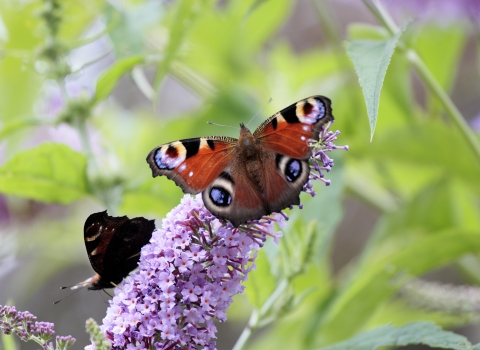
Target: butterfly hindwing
113	246
232	196
193	163
123	252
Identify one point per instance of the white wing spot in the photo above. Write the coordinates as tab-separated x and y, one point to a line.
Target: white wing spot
306	128
303	138
190	174
182	168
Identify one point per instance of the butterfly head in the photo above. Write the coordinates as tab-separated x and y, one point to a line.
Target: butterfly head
247	144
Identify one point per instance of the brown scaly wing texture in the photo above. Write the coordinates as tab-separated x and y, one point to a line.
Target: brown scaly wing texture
113	246
245	204
288	131
284	138
193	163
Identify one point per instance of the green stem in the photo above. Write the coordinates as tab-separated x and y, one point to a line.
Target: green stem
256	316
452	110
427	77
327	20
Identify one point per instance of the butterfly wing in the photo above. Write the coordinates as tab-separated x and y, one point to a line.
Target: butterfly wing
98	230
113	245
123	252
193	163
288	131
234	196
284	137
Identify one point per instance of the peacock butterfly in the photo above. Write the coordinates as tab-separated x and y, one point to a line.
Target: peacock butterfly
113	247
256	175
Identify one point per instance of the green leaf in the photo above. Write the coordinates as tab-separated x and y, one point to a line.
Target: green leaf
260	283
179	26
51	173
154	196
8	342
447	203
108	80
373	283
17	124
447	42
130	22
361	31
371	59
423	146
424	333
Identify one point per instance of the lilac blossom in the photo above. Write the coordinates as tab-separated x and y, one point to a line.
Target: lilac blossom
25	326
190	271
320	162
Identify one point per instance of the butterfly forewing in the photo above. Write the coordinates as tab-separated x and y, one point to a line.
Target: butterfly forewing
192	163
98	230
288	131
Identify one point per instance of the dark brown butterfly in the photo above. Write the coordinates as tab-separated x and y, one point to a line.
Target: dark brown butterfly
113	247
257	174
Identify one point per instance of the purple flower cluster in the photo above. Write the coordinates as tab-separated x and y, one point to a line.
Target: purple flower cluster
191	269
320	162
186	278
24	325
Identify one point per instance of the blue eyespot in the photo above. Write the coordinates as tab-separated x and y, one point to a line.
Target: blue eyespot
220	197
293	170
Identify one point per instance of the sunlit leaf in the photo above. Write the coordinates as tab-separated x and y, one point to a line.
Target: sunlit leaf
17	124
50	173
434	145
8	342
108	80
180	24
434	41
261	282
373	284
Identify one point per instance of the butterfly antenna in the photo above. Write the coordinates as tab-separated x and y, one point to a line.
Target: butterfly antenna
226	126
103	297
66	296
261	109
115	285
107	293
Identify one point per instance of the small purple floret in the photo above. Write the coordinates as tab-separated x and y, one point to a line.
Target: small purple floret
320	162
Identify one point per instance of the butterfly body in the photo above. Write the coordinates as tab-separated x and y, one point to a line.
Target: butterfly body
257	174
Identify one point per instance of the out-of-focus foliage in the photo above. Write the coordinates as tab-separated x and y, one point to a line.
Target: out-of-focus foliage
87	91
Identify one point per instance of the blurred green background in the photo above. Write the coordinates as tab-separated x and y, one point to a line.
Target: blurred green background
87	89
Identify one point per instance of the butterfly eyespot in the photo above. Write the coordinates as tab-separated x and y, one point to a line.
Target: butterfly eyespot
310	111
170	156
293	170
220	197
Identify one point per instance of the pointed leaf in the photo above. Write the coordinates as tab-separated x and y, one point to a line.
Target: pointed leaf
371	59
